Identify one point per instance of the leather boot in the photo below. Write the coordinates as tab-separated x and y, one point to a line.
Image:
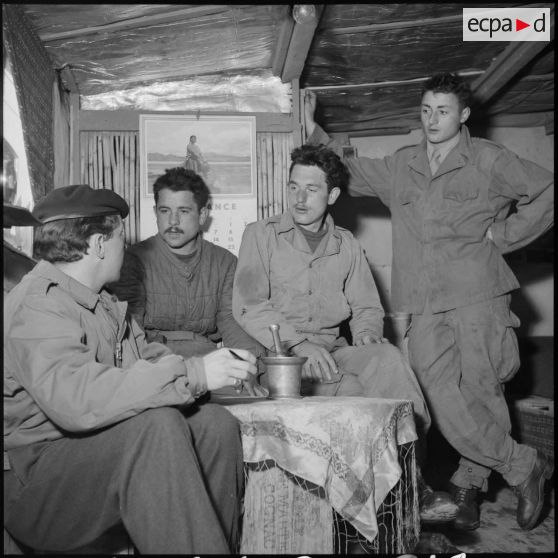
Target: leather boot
468	514
435	506
531	492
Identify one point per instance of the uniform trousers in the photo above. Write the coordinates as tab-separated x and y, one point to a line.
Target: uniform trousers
462	358
377	370
173	478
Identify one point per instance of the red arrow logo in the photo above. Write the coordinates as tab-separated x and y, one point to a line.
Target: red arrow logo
519	25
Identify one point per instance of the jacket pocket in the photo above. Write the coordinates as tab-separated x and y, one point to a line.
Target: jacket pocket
505	347
407	196
488	340
463	194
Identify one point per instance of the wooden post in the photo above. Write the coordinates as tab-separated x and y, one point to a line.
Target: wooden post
297	127
75	164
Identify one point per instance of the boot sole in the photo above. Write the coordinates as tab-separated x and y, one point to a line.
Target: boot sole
468	527
442	514
546	475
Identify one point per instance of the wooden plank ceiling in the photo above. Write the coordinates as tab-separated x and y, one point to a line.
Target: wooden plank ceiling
367	62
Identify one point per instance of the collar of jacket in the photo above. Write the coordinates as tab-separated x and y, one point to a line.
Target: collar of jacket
186	269
80	293
333	237
456	158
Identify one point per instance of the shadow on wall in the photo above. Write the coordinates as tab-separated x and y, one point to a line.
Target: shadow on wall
533	302
347	211
536	374
351	214
478	124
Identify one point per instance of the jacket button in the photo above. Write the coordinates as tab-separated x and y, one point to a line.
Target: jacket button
310	319
310	292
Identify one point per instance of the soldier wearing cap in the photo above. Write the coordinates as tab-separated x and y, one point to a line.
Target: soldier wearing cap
100	427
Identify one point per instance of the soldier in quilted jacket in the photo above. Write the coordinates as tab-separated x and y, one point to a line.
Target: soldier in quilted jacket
177	284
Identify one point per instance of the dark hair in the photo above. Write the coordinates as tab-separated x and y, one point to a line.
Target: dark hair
180	179
450	83
65	240
337	174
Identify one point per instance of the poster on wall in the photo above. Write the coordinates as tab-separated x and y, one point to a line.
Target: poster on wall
221	149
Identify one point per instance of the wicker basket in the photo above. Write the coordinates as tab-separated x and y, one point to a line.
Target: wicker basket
535	423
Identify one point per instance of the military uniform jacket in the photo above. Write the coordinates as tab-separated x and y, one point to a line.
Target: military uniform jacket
439	223
74	363
279	280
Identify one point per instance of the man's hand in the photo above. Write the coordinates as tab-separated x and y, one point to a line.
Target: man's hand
253	387
310	100
223	369
320	366
368	340
489	235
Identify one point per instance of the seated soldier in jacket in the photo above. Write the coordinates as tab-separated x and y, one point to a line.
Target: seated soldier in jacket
100	427
302	272
179	286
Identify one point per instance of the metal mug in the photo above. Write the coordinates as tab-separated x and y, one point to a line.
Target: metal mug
284	375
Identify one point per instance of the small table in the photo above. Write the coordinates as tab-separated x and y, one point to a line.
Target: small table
317	462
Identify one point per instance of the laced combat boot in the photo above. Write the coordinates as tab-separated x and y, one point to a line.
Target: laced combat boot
468	514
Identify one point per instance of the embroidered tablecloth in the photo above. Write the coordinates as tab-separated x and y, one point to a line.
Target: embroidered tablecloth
347	445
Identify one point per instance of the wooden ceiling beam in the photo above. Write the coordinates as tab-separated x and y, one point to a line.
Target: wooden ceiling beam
523	120
378	84
140	21
372	27
289	62
507	65
395	131
282	46
403	122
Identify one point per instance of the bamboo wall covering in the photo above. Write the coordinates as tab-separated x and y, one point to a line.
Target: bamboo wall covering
273	155
111	160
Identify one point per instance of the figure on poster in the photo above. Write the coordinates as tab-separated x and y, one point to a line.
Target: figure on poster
194	158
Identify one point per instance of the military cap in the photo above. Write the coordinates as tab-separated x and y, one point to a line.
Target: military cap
71	202
16	216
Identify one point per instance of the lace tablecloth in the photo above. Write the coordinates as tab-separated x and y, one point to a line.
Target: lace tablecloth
347	445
